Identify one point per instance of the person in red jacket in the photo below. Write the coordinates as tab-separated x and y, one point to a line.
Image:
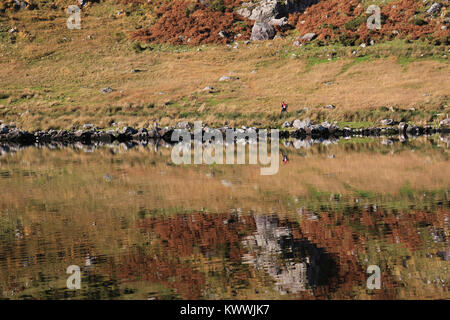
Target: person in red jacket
284	107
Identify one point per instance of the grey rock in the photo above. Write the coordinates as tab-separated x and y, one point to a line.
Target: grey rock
297	124
184	125
387	122
223	34
272	10
287	124
107	90
4	129
264	11
331	127
228	78
435	8
128	130
83	3
279	22
262	31
21	4
309	36
208	88
445	123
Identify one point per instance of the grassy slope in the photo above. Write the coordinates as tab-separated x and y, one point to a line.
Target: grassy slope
51	77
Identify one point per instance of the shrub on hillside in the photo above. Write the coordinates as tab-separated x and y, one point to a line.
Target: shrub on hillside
186	22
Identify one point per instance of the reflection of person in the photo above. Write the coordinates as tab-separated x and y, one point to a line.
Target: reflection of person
285	159
284	107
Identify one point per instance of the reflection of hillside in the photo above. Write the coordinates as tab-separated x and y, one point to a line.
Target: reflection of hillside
260	241
310	254
293	258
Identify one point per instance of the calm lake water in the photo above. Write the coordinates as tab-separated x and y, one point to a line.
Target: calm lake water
140	227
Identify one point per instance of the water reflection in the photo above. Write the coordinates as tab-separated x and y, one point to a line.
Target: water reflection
141	228
303	143
295	264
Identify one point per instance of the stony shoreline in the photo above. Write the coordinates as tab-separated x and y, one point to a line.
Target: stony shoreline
301	129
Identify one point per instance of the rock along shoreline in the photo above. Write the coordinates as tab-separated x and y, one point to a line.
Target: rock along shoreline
301	129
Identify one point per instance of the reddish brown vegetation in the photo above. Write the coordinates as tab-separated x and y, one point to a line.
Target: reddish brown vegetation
201	230
346	21
193	23
182	237
182	21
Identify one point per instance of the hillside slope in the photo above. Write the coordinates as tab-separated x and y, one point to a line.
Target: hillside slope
52	77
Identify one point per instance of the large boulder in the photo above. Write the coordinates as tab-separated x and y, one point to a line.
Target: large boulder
264	11
271	11
297	124
262	31
445	123
308	37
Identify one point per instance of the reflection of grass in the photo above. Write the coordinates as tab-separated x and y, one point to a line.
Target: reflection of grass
364	194
356	140
412	269
67	193
315	194
407	190
311	177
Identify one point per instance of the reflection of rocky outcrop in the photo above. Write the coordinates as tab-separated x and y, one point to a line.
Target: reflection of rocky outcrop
295	264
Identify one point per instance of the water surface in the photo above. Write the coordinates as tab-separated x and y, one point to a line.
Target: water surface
140	227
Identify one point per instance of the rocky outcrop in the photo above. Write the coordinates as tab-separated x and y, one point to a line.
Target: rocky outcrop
298	124
271	11
264	11
309	37
262	31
